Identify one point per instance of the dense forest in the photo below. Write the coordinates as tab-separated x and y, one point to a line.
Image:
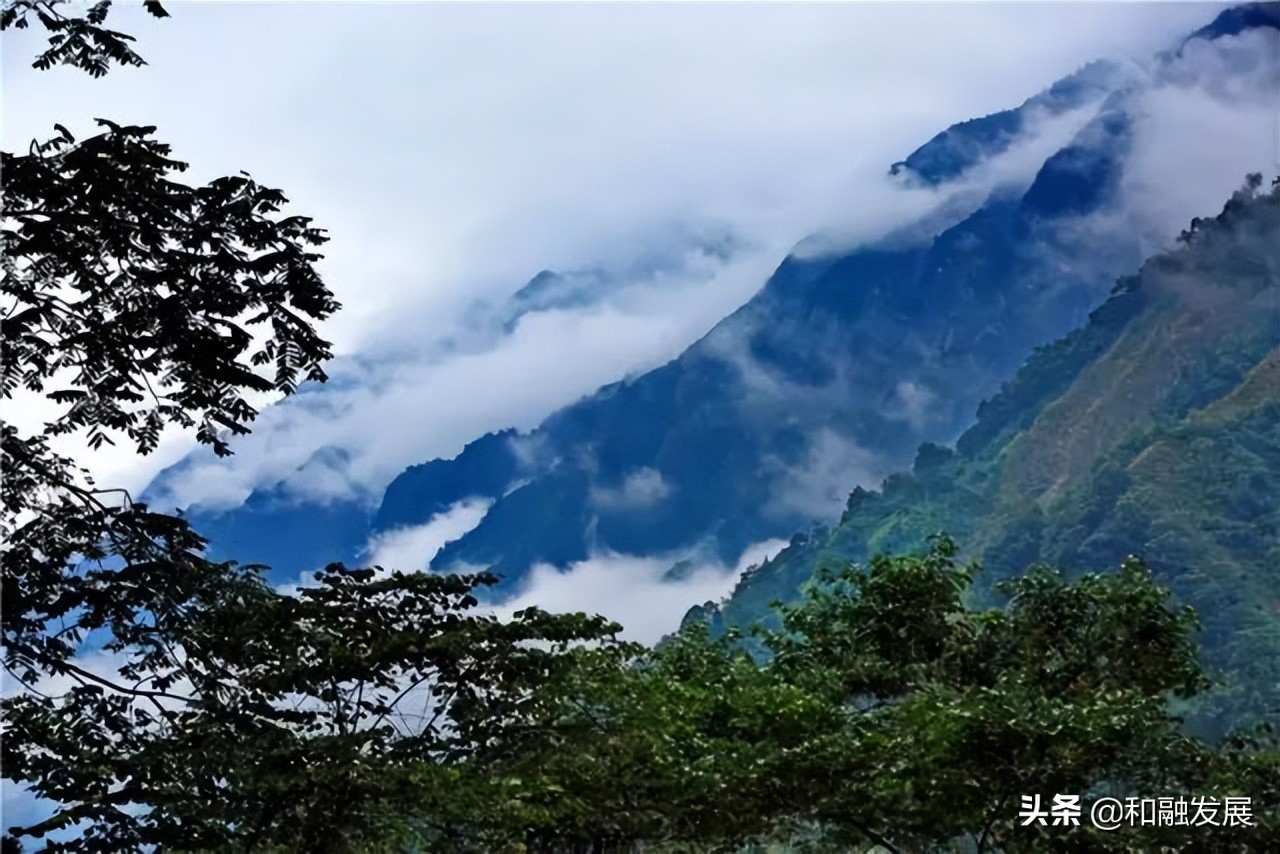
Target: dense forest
1153	430
1099	626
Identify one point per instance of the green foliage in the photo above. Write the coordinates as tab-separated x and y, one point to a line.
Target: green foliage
169	702
1153	430
130	304
356	703
165	700
890	712
132	299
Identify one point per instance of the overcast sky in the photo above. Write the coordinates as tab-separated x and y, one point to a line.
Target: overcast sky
454	150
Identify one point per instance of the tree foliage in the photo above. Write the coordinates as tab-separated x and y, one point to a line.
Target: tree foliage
320	721
131	303
889	712
166	699
171	702
78	41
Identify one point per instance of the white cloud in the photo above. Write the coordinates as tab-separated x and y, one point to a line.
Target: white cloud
634	591
453	150
832	467
1209	118
887	204
641	488
388	414
411	549
914	399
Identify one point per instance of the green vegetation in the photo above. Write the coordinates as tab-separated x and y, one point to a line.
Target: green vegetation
1153	430
168	702
890	713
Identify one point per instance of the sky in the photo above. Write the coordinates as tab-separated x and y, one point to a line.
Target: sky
667	156
455	150
663	157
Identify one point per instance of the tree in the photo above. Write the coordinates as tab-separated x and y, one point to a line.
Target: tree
336	719
80	41
958	712
379	710
132	302
889	713
688	744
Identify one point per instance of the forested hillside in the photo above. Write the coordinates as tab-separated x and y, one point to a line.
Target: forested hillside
858	348
903	698
1153	430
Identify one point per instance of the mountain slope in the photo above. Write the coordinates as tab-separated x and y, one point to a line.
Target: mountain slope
837	369
850	356
1153	430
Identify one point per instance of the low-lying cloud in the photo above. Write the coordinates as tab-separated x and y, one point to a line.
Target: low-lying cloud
387	414
819	487
455	150
1208	118
411	549
640	593
641	488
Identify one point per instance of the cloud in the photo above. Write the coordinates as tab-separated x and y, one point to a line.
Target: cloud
894	208
1207	119
818	488
388	413
411	549
914	398
453	150
641	488
637	592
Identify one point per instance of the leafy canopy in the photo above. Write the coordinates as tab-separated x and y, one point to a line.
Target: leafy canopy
174	702
886	710
165	699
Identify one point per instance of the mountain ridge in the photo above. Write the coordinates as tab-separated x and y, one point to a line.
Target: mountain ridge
836	371
1154	429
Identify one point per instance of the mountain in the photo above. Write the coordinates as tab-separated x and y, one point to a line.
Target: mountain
840	363
1153	429
962	146
852	354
